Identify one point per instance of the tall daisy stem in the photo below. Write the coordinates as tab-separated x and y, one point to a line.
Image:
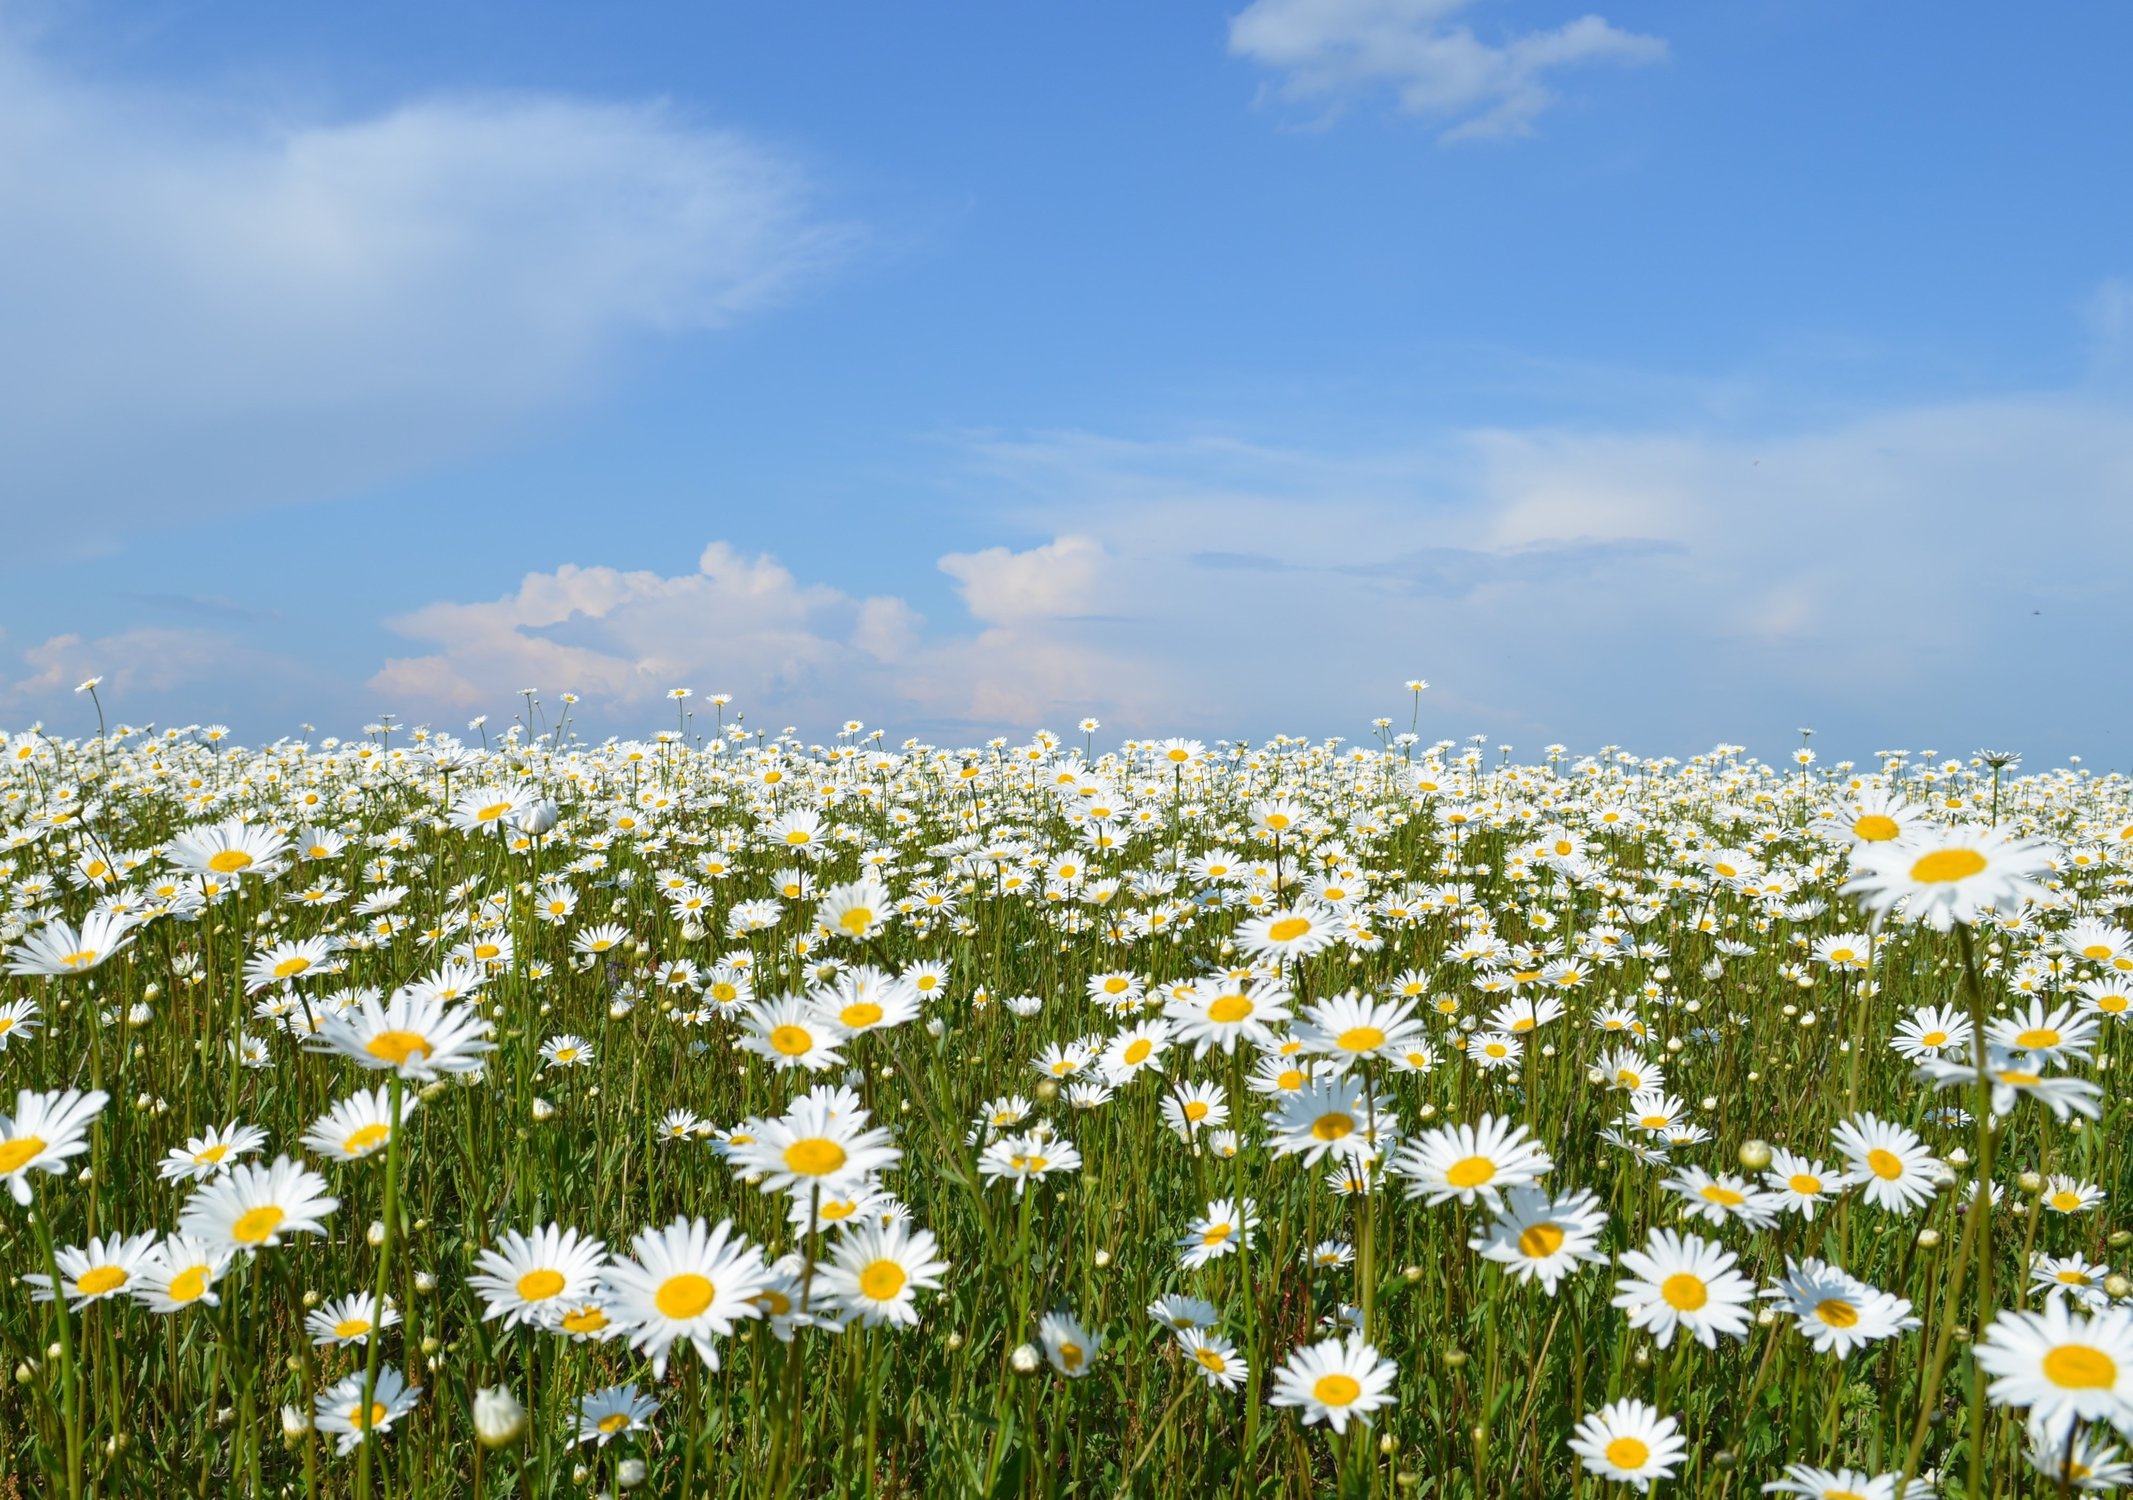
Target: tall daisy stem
70	1405
376	1340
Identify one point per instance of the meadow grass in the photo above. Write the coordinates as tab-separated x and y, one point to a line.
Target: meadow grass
1652	967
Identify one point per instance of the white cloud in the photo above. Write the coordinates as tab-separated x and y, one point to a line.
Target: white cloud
211	309
1333	50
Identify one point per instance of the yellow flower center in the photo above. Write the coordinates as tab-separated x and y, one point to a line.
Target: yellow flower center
254	1227
1875	828
1628	1453
1471	1172
189	1284
2080	1367
2037	1038
1360	1039
397	1047
857	920
357	1420
492	812
1210	1360
1804	1184
229	861
1944	866
1336	1389
791	1040
97	1280
1723	1196
1684	1292
369	1138
351	1328
881	1281
539	1286
614	1422
1216	1234
1229	1009
1837	1313
585	1320
1288	929
685	1296
1539	1241
289	968
1332	1127
1886	1165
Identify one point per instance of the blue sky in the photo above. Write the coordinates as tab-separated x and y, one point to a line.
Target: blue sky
1656	377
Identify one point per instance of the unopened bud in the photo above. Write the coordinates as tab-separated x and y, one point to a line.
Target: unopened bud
1025	1360
1755	1155
499	1420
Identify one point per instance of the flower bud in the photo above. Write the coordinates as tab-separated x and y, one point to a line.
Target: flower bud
2117	1286
630	1473
1025	1360
499	1421
1755	1155
2030	1182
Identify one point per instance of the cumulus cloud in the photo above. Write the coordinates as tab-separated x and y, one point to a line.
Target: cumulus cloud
211	309
1334	50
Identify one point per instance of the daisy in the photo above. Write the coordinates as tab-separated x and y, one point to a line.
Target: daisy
1292	932
2056	1034
857	911
350	1320
182	1272
1896	1170
1134	1050
253	1206
1684	1281
1220	1365
1021	1159
358	1126
340	1409
1328	1115
230	849
1802	1184
18	1018
45	1129
1495	1049
1629	1442
814	1147
2071	1276
610	1413
58	950
2078	1460
103	1268
1836	1311
1724	1197
413	1035
2063	1366
210	1155
1179	1313
1539	1238
284	963
1071	1348
1335	1381
1843	1484
535	1278
1223	1228
1930	1031
1470	1161
866	999
1222	1012
687	1281
1943	877
1350	1028
567	1051
1195	1107
2013	1075
2069	1195
791	1033
875	1269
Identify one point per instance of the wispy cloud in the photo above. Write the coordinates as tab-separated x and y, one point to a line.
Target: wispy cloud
212	309
1332	51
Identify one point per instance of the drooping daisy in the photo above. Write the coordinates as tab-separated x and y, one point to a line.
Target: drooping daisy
18	1019
1629	1442
340	1408
350	1320
44	1131
212	1154
1470	1161
1179	1313
2014	1075
1071	1348
2064	1366
1335	1381
1216	1358
58	950
2078	1460
1843	1484
1684	1281
1539	1238
182	1273
1723	1198
1223	1228
360	1125
106	1267
536	1278
875	1269
1835	1310
1022	1159
607	1414
688	1281
1895	1169
253	1206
